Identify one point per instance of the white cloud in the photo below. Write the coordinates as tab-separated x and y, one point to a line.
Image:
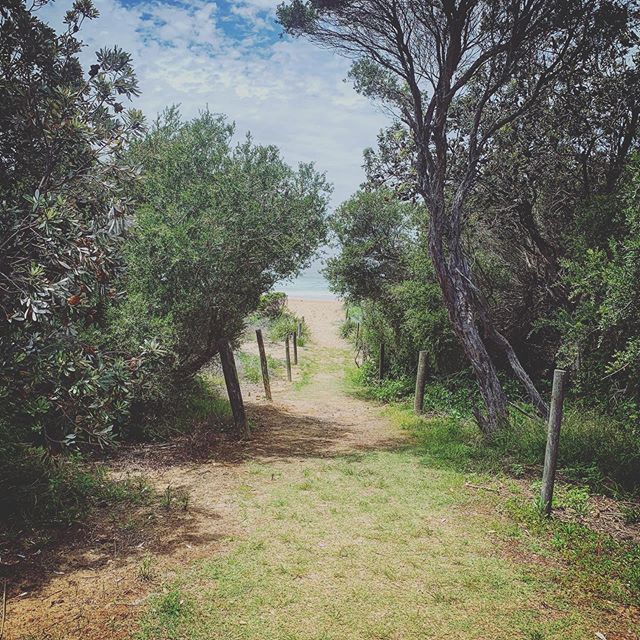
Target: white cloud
229	58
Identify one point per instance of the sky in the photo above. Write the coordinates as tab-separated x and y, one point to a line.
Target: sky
231	56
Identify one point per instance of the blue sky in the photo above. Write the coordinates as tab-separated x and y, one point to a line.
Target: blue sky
231	56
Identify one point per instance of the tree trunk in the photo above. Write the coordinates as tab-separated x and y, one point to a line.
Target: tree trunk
469	313
459	299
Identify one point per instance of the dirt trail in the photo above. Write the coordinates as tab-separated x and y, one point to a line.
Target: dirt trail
95	587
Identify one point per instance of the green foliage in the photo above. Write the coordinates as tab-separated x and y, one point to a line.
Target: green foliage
201	251
600	332
286	324
200	401
596	450
383	268
40	490
272	304
365	383
65	195
279	319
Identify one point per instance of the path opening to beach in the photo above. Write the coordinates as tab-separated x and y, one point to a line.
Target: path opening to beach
329	523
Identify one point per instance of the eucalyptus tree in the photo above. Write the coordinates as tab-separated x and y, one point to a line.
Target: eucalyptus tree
457	72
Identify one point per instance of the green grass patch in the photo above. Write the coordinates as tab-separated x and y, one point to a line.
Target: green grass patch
596	450
610	567
375	545
251	370
171	611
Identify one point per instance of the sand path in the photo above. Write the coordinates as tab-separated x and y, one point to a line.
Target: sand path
94	586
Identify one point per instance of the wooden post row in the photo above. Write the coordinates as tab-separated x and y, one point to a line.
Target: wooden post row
294	337
288	357
263	365
421	381
233	386
553	440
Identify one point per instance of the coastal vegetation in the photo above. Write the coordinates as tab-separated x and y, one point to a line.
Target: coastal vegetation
497	233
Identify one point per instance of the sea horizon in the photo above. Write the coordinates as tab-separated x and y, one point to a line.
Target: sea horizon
309	285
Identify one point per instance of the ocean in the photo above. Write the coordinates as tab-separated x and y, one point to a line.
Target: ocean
309	285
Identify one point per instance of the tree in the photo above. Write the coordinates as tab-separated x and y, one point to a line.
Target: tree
63	201
219	225
458	72
380	266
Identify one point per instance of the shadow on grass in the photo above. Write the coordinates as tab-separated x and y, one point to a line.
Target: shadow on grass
136	524
136	520
276	434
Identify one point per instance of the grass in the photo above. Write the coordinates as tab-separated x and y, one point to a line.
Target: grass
610	567
376	545
402	543
286	324
250	366
304	371
43	491
596	450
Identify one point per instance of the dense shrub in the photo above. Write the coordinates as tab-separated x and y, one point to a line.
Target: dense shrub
383	268
601	328
65	195
272	304
218	225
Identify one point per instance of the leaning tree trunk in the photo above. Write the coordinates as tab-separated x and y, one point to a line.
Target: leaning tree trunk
469	313
459	300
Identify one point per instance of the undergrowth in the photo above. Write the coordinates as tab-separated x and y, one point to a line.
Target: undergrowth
595	450
40	490
202	401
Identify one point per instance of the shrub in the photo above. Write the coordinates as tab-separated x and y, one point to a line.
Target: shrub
65	198
201	251
272	304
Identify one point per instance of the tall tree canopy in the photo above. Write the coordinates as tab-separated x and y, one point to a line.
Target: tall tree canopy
458	72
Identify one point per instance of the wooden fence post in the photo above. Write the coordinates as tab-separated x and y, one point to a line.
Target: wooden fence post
553	440
263	365
300	328
381	362
421	381
357	332
288	356
233	386
294	337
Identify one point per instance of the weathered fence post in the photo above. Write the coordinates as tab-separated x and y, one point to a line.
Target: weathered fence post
357	332
263	364
300	328
381	362
294	337
288	357
233	386
553	440
421	381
